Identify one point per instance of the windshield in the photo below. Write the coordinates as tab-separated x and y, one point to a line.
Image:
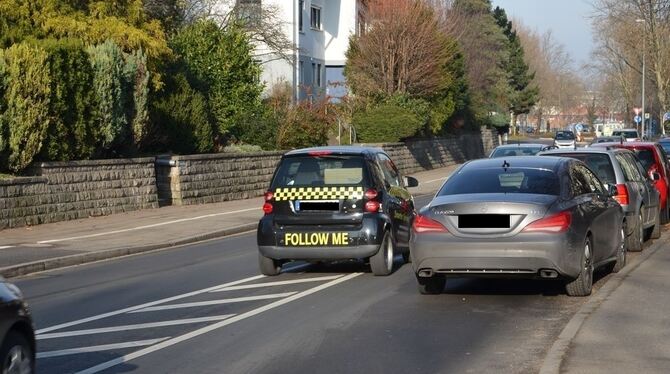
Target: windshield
499	180
666	146
320	171
646	157
565	136
517	151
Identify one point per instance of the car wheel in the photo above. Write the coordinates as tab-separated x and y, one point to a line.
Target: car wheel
584	282
656	232
431	286
16	355
268	266
406	257
635	241
665	215
621	254
382	262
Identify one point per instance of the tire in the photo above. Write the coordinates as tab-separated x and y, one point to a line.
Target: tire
16	355
635	241
584	283
431	286
406	258
621	254
268	266
382	262
656	231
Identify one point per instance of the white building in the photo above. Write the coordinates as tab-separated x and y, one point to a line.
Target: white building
320	29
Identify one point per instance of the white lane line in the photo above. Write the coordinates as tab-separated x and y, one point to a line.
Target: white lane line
145	305
215	302
212	327
144	227
278	283
139	326
99	348
6	246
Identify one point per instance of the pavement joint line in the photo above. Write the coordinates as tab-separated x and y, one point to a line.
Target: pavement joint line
277	283
558	351
145	305
144	227
215	302
139	326
99	348
214	326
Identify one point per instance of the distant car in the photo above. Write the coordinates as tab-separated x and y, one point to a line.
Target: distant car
565	140
665	144
17	334
631	135
535	217
608	139
530	130
523	149
635	190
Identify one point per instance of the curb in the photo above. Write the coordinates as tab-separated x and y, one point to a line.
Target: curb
85	258
558	351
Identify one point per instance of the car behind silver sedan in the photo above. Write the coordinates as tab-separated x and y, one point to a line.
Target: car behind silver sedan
535	217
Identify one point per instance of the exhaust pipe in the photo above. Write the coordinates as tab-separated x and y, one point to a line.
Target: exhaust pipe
548	273
426	273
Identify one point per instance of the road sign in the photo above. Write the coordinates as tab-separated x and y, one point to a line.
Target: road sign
666	117
637	110
579	127
647	115
637	119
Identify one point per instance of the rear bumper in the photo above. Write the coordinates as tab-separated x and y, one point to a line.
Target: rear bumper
522	255
318	253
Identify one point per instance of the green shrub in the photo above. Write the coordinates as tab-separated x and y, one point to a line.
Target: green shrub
136	81
304	125
242	148
27	95
182	120
386	123
4	126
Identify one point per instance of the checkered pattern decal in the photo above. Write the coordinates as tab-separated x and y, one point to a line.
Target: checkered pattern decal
318	193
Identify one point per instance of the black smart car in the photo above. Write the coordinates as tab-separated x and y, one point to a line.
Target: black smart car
332	203
17	335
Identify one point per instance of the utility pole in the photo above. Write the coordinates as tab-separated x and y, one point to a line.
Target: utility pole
644	69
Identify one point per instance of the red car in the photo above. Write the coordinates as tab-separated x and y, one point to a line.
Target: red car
654	160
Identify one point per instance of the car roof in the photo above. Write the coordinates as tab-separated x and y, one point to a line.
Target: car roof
532	162
626	144
337	150
521	145
585	150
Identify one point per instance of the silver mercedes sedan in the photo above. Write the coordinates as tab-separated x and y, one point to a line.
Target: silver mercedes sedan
534	217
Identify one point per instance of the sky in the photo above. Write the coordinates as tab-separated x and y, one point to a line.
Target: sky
568	20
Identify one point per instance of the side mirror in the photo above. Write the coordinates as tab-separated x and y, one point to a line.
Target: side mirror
611	189
411	182
655	176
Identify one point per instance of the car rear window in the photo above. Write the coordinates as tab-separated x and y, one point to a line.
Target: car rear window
646	157
519	151
499	180
321	171
666	146
601	164
565	136
626	134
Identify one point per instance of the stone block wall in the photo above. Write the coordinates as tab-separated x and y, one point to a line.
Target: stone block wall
61	191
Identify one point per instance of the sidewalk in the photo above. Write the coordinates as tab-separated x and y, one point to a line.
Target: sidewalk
43	247
630	331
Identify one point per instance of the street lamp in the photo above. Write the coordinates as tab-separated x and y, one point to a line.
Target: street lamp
644	67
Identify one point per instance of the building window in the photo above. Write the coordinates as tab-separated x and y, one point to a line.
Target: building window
301	9
315	19
249	9
301	78
360	30
313	74
318	75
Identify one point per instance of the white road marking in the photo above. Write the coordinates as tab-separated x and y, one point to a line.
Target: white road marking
274	284
138	326
144	227
6	246
215	302
215	326
145	305
99	348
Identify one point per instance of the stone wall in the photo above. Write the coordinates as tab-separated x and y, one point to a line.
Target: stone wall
60	191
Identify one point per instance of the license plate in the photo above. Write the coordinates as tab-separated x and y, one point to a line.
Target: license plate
484	221
315	239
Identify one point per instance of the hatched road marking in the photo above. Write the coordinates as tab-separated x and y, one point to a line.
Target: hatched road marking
274	284
100	348
215	302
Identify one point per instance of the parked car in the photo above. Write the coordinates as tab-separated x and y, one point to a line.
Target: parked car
655	163
608	139
636	192
521	149
17	334
332	203
631	135
535	217
565	140
665	144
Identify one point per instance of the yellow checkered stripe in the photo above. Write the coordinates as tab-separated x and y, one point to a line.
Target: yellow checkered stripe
318	193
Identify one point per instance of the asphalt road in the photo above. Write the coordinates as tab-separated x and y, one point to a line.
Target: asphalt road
204	309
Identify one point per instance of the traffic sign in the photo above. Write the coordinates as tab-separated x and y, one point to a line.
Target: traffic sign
647	115
637	110
637	119
666	117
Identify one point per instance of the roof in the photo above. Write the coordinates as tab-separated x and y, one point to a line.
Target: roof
522	145
594	149
625	144
338	150
531	162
